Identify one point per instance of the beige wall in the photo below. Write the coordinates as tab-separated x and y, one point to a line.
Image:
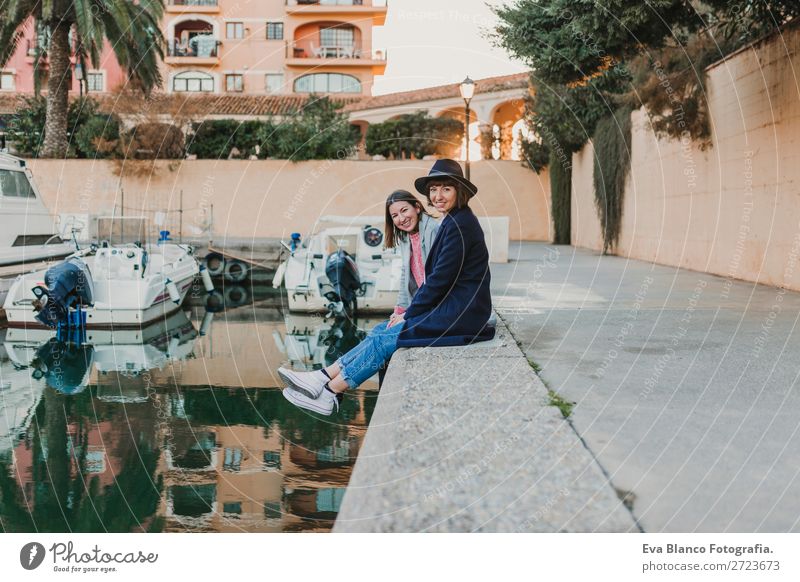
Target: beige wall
731	209
275	198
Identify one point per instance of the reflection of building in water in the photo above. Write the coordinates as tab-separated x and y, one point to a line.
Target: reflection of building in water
79	469
287	475
178	447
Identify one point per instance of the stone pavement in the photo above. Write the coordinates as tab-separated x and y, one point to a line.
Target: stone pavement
685	384
465	439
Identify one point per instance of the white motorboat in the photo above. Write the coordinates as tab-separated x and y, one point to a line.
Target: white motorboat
118	286
27	231
341	268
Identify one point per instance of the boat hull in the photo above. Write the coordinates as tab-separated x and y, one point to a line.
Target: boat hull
122	297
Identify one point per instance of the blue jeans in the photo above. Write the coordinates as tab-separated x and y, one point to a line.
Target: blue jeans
363	361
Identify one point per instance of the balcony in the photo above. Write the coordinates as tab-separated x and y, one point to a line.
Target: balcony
307	54
194	6
354	8
200	50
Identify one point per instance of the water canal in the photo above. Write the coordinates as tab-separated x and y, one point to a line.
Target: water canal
180	427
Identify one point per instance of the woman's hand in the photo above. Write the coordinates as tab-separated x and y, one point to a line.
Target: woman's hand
395	318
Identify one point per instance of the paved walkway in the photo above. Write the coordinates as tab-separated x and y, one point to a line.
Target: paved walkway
685	384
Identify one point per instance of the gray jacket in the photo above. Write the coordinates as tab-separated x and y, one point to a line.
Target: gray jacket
428	227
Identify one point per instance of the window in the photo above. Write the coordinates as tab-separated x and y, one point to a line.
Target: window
234	83
96	81
274	82
193	81
327	83
15	184
272	459
274	30
6	81
272	509
234	30
340	36
234	507
233	459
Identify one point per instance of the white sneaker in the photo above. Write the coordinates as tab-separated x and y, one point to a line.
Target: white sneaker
312	384
325	404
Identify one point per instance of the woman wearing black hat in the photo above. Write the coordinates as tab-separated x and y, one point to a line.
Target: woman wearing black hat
451	308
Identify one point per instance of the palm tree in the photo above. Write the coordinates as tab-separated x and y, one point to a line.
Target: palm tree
132	28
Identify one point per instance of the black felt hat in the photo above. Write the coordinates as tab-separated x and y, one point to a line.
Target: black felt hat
445	169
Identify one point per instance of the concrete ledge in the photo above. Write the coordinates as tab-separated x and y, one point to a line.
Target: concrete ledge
464	439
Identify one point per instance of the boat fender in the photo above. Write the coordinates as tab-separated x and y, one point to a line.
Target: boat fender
215	302
235	296
278	278
207	283
172	289
236	271
215	263
205	326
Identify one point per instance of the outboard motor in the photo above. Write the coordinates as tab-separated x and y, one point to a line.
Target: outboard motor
64	366
342	337
68	287
342	272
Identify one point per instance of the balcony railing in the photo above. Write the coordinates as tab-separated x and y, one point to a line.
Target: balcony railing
192	2
201	49
375	3
310	50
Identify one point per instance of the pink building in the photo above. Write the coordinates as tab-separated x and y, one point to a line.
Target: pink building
17	74
257	48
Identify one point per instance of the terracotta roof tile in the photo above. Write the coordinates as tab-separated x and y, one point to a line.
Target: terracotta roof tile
488	85
265	105
261	105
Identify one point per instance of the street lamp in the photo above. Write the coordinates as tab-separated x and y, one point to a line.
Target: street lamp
467	88
79	77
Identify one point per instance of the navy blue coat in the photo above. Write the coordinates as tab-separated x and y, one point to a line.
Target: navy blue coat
454	304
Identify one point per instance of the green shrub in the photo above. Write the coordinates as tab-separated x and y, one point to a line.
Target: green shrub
560	198
98	137
26	127
612	162
216	138
154	141
414	135
318	131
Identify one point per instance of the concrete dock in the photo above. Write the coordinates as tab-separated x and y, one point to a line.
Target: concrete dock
466	439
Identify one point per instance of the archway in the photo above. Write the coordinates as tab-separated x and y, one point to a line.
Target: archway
507	121
460	151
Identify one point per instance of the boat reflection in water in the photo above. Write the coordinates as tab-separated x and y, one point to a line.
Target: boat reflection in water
311	342
165	429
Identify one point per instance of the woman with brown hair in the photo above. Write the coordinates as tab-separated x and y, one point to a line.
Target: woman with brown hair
452	307
414	230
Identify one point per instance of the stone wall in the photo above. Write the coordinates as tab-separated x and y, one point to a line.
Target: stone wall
261	199
732	209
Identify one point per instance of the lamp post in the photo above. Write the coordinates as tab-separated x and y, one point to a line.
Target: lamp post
79	77
467	88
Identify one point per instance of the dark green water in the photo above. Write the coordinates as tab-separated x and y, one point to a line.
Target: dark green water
165	429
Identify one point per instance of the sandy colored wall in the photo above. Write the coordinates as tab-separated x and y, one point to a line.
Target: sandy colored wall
585	228
275	198
733	208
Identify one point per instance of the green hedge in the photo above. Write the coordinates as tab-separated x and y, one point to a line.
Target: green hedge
414	135
216	138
